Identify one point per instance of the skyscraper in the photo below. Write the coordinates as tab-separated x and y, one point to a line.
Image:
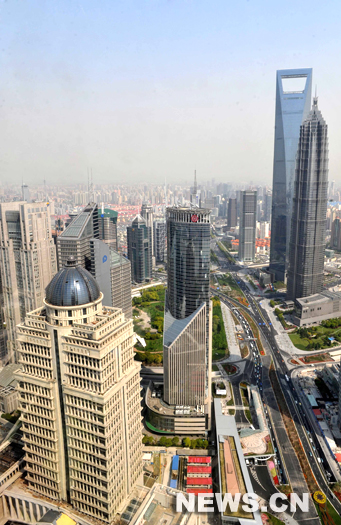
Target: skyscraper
335	242
27	264
232	213
75	240
159	240
112	272
194	198
107	222
25	193
139	242
188	317
293	96
267	207
308	226
79	394
247	225
148	215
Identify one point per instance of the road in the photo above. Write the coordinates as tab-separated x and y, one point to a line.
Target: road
261	318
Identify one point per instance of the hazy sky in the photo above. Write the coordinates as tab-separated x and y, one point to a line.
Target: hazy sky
144	89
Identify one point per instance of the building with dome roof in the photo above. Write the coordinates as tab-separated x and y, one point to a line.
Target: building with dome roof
79	396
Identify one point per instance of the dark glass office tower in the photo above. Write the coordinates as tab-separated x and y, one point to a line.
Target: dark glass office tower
188	260
188	314
308	227
247	226
293	99
139	240
232	213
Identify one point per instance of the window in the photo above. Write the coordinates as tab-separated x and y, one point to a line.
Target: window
84	311
70	313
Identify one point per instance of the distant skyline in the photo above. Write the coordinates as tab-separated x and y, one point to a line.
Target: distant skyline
143	90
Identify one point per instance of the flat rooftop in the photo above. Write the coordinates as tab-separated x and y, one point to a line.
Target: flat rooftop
233	473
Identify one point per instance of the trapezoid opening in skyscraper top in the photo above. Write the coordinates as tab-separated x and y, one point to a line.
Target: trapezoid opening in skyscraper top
293	102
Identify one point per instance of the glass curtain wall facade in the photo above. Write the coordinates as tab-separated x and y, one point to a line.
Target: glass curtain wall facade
75	240
139	240
247	226
232	213
308	228
292	107
188	316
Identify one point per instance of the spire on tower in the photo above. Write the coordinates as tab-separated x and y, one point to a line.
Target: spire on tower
195	183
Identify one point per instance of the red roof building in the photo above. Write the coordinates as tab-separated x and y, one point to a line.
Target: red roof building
192	469
199	481
199	491
199	459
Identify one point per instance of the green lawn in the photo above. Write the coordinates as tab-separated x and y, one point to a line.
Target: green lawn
219	341
299	342
332	513
321	331
154	309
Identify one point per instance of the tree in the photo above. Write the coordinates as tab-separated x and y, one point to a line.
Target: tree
205	443
193	443
186	442
272	303
169	442
163	441
175	441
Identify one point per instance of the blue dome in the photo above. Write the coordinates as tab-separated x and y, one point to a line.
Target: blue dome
72	286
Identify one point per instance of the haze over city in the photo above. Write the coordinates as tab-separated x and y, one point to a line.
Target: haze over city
140	91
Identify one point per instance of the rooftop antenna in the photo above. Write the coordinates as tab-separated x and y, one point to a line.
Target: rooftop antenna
315	100
195	183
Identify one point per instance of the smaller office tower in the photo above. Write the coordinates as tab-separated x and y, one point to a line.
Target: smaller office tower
308	226
194	197
232	213
159	241
336	234
107	222
79	397
112	272
75	240
148	216
27	264
139	240
25	193
267	207
247	226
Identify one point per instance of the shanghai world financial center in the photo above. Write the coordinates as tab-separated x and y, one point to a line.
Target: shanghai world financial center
293	99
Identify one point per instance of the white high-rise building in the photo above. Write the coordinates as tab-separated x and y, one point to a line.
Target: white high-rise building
79	395
27	264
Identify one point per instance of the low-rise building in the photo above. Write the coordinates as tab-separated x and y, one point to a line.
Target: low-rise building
233	473
8	389
316	308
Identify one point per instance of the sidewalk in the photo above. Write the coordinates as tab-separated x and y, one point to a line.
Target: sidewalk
231	336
